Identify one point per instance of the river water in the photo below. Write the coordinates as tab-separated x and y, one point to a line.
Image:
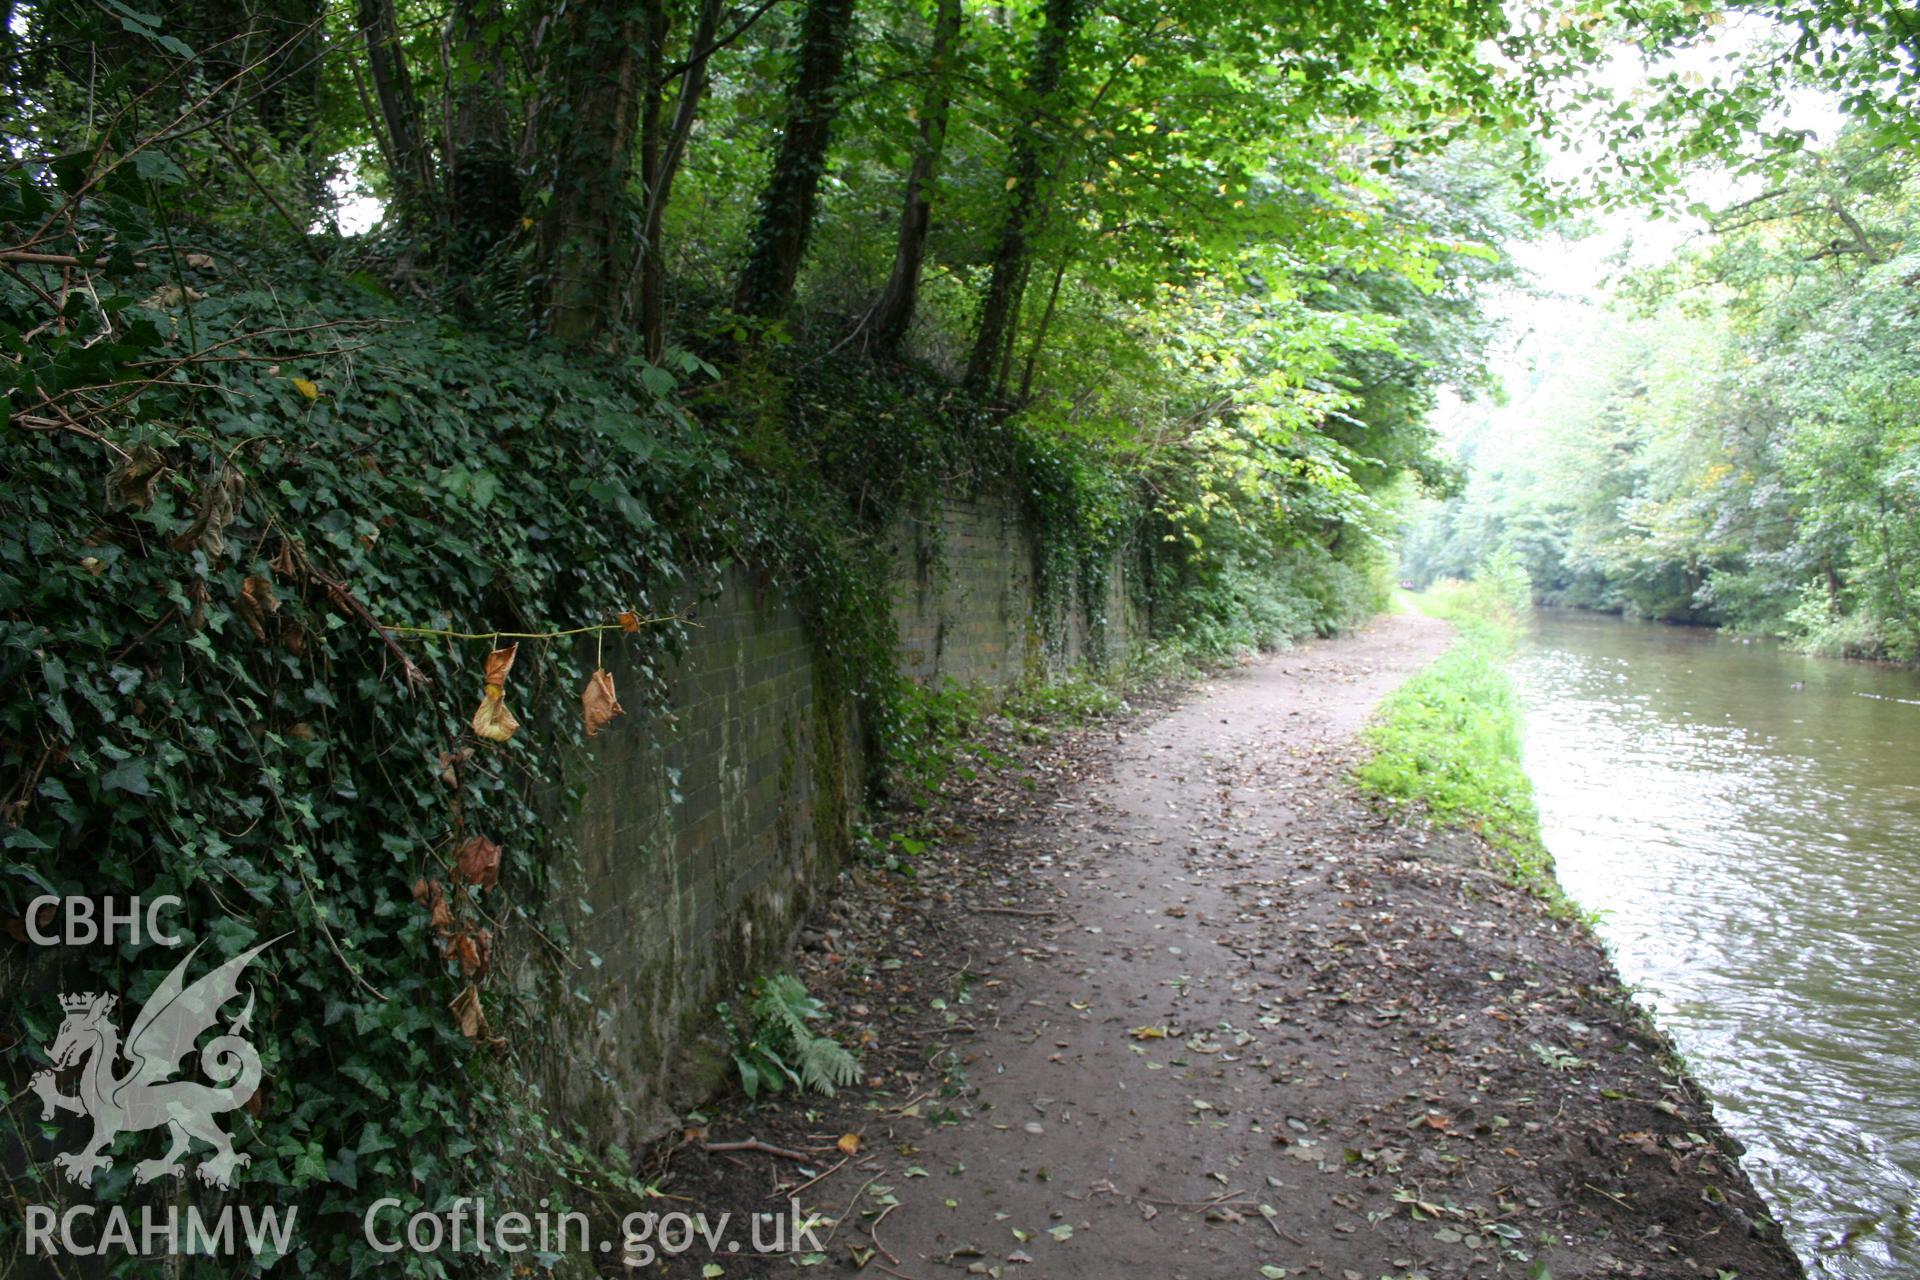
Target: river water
1756	850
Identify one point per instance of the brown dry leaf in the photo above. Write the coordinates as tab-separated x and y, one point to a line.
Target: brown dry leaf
434	896
479	862
198	596
500	662
290	561
217	510
468	1014
255	602
849	1144
450	762
172	295
130	484
629	621
492	720
469	954
597	701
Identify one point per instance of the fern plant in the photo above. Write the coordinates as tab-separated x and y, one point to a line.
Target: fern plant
776	1045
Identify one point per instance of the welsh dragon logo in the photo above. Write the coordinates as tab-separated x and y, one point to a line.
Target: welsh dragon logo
142	1096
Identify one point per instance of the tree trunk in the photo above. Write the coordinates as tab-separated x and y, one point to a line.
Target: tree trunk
660	161
603	58
484	198
893	312
787	205
412	167
1040	334
1010	258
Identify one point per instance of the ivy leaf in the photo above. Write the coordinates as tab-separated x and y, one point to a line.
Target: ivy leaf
658	382
129	776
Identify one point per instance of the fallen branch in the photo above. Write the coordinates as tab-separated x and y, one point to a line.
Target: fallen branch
41	259
816	1178
754	1144
874	1232
1015	911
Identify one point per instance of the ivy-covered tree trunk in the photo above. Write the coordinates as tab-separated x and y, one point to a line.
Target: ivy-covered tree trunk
1062	19
603	53
483	182
787	203
412	165
893	312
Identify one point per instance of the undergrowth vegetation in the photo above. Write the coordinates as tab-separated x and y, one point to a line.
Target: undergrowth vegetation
1448	742
775	1043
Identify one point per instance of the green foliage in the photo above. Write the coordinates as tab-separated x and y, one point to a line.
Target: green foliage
1073	700
1739	426
205	509
1235	601
775	1044
1449	740
935	721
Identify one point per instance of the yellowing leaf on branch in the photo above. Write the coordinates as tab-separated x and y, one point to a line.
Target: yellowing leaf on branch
308	389
597	701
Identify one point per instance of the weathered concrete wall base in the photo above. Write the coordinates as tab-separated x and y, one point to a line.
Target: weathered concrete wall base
704	833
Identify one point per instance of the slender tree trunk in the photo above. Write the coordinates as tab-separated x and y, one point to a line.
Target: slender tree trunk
412	166
1010	258
603	59
661	153
893	312
652	111
1040	334
787	205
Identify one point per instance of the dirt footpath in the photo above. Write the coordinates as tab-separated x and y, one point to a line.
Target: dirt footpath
1172	1002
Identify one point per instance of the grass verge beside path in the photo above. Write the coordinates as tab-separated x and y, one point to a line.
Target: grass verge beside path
1449	740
